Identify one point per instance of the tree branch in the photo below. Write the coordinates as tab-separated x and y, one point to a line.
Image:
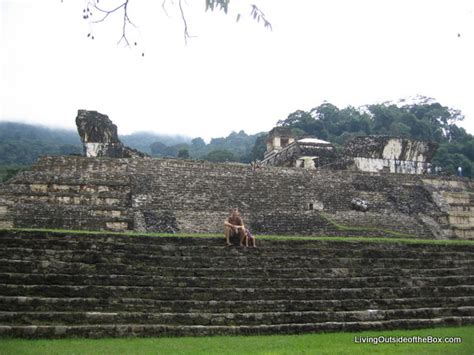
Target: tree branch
183	17
106	13
258	15
212	5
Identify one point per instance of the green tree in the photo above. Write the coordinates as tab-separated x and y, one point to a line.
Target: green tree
158	149
259	148
198	143
220	156
399	129
183	153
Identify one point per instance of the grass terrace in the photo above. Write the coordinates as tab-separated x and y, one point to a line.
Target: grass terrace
399	239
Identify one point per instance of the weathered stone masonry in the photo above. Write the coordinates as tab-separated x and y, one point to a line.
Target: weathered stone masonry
99	137
167	195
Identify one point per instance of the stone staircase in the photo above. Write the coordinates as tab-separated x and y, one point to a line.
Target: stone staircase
456	199
100	285
166	195
37	199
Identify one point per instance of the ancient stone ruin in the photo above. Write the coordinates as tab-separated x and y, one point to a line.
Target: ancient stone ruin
286	151
99	137
163	195
359	204
116	188
69	284
391	154
369	153
91	285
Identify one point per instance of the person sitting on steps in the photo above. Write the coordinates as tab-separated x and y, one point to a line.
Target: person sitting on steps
234	225
249	237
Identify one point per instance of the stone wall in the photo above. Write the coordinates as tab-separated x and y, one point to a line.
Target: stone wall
302	154
386	147
390	154
99	136
167	195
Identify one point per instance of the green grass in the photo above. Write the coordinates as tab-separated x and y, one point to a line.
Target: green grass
325	343
259	237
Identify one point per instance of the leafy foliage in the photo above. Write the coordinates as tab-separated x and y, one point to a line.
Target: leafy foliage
236	147
22	144
183	153
259	148
220	4
220	156
143	141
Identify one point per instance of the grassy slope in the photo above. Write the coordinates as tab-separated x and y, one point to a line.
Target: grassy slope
259	237
330	343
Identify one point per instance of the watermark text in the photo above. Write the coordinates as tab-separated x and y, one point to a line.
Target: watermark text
428	339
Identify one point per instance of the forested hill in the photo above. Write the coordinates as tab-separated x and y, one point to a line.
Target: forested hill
21	144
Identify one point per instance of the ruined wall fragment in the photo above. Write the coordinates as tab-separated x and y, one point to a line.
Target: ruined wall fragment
99	137
390	154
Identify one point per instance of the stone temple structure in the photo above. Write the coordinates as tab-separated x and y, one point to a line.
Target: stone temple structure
369	153
309	153
138	193
67	284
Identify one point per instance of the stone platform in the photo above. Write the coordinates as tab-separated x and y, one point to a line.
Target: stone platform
100	285
180	196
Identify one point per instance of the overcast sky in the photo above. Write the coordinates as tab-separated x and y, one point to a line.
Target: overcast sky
231	76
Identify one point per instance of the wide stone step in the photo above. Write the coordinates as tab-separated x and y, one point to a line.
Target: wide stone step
68	201
461	207
223	282
123	252
47	304
45	267
56	240
156	330
464	232
237	293
456	197
227	319
240	261
462	211
142	241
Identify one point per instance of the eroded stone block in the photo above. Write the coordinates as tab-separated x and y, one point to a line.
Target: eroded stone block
116	226
39	187
6	224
